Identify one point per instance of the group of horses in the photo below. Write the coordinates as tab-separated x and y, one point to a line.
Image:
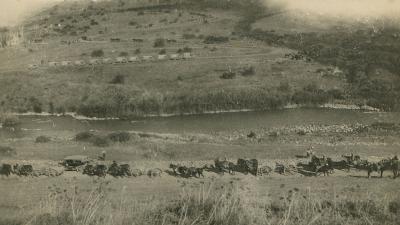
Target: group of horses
26	170
246	166
326	165
316	165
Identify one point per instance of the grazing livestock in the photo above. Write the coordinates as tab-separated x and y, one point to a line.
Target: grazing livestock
247	166
222	165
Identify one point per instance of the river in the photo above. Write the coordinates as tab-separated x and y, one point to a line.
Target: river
207	123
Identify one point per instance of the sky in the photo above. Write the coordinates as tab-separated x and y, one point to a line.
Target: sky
13	11
344	8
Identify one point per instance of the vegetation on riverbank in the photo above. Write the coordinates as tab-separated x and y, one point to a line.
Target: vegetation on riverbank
218	204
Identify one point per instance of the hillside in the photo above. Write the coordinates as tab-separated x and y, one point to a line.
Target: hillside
233	64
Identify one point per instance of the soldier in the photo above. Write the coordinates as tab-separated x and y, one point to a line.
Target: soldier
103	156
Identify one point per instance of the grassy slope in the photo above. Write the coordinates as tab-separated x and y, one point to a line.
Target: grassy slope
367	52
158	87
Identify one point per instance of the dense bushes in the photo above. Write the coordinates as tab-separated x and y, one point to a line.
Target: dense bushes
7	151
118	102
359	54
119	136
8	120
159	43
118	79
84	136
42	139
102	140
215	39
211	203
97	53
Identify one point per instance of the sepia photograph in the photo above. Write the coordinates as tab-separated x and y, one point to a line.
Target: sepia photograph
199	112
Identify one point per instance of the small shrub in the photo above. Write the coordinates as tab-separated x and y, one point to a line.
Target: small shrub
36	105
187	49
60	110
123	54
84	136
100	141
159	43
133	23
7	151
137	51
51	108
248	71
394	207
228	75
97	53
118	79
42	139
119	136
162	52
9	120
188	36
215	39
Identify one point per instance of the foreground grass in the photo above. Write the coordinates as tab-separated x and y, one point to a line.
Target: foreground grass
209	203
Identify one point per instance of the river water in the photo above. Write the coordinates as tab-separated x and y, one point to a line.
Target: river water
206	123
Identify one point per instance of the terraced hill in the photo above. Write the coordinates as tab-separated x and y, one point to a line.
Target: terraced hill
234	63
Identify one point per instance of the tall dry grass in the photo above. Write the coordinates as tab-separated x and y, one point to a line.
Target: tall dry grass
211	204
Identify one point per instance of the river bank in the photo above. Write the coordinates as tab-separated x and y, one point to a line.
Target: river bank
77	116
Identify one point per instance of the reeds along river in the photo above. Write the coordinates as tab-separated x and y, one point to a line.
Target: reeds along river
201	123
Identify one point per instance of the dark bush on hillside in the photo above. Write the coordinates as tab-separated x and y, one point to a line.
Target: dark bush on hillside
215	40
42	139
228	75
310	94
100	141
94	22
335	94
84	136
36	105
248	71
60	110
159	43
51	108
162	52
137	51
284	87
97	53
9	120
118	79
141	13
187	49
7	151
123	54
133	23
188	36
119	136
